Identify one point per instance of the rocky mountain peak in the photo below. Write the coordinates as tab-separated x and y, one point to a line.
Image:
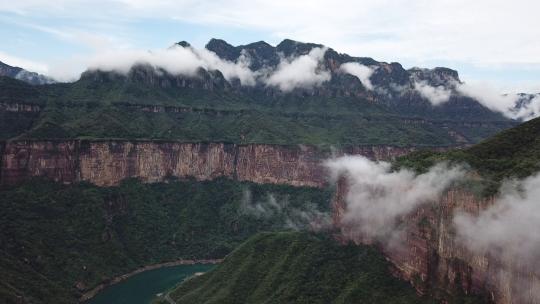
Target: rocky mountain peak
290	47
9	71
183	43
438	76
387	84
24	75
223	49
259	45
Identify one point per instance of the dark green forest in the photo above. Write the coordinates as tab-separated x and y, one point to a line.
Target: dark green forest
56	236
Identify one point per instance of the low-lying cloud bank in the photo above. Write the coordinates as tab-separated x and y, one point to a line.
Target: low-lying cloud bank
511	105
436	95
507	230
510	227
278	210
303	71
176	60
378	196
514	106
362	72
300	72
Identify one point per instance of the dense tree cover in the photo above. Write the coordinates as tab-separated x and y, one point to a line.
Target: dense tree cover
55	236
514	153
300	267
108	107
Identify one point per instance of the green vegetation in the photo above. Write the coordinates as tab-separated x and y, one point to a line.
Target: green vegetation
231	126
110	107
55	237
514	153
298	267
11	92
14	123
16	91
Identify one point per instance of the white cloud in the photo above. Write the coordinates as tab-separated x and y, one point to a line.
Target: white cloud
176	60
412	32
488	96
507	233
378	196
302	71
307	216
416	30
504	231
436	95
507	104
239	69
529	109
510	105
509	228
29	65
362	72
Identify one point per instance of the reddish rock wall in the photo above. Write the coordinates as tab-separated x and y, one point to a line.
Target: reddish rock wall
19	107
433	260
106	163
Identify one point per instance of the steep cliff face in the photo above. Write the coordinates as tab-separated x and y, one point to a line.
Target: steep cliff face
19	107
23	160
107	163
158	78
435	262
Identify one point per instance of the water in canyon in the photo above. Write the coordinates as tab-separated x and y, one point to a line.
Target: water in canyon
143	287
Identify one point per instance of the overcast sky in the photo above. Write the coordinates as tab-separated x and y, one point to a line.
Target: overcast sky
489	41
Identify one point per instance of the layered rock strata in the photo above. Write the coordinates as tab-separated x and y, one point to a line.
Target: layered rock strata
107	163
433	259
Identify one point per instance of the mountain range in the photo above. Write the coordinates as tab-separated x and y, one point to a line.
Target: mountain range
24	75
245	94
186	153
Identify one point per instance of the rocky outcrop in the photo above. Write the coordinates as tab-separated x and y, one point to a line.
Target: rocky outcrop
435	262
156	77
24	75
19	107
108	162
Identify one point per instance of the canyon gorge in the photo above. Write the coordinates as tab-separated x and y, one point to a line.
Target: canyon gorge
429	255
117	143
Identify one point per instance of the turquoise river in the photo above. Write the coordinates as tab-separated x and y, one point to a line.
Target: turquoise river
143	287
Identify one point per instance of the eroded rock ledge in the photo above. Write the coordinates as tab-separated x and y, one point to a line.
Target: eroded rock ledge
108	162
432	258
